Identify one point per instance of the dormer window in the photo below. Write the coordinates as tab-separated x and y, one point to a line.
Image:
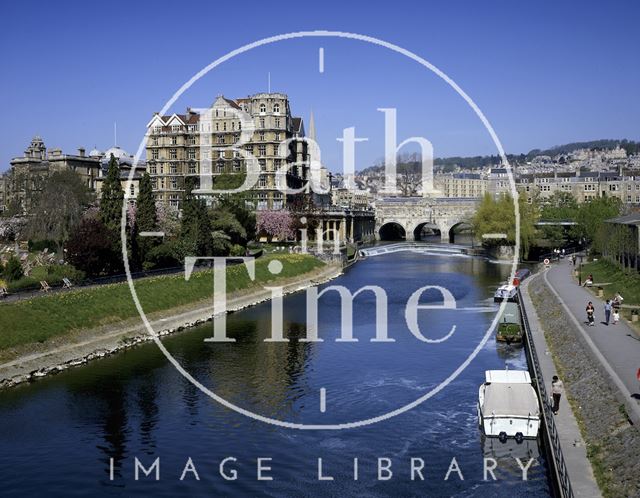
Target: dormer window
276	108
263	108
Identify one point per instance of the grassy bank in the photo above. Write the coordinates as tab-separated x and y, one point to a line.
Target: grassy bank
605	272
44	317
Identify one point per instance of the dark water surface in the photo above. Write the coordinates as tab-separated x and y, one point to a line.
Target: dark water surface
57	436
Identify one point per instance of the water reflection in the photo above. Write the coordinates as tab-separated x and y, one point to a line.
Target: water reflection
137	405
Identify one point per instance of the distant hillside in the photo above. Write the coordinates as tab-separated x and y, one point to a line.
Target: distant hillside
629	145
411	163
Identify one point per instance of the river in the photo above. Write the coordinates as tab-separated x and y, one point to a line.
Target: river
59	435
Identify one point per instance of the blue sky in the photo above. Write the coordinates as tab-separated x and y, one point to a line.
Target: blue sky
544	73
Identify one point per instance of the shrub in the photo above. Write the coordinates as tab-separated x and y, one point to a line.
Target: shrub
163	256
55	273
237	250
13	271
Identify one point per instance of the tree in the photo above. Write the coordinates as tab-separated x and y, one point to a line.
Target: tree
58	208
146	216
498	216
90	248
195	227
13	270
146	219
590	220
112	197
275	223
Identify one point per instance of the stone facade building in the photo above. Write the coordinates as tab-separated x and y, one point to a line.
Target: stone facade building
29	173
461	185
183	145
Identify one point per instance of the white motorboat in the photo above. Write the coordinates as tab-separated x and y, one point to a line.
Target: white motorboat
508	405
506	292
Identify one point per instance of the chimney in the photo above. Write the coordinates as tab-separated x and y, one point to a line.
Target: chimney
81	151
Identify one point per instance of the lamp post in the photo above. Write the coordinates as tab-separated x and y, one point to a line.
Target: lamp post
580	271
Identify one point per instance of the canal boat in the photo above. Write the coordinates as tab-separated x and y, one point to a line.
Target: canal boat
509	328
520	275
507	293
508	405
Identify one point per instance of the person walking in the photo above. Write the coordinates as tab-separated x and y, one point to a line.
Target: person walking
590	311
607	312
557	389
616	316
573	259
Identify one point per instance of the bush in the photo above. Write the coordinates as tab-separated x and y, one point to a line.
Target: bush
13	271
237	250
163	256
41	245
22	284
55	273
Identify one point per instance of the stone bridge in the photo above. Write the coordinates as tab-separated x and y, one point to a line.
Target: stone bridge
406	217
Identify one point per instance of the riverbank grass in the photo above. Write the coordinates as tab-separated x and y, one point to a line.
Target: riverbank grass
41	318
605	272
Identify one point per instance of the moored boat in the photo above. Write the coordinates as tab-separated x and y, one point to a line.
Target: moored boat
510	325
520	275
506	292
508	405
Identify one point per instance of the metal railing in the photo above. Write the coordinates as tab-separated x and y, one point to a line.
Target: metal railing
551	431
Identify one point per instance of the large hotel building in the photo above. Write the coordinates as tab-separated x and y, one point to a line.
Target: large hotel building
182	145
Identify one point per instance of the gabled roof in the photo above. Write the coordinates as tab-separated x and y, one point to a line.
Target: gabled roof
629	219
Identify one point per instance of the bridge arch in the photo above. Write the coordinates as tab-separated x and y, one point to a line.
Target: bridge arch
462	227
392	230
426	230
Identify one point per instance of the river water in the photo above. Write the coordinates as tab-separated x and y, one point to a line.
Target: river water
59	435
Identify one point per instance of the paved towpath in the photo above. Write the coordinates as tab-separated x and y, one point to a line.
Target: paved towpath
616	347
574	451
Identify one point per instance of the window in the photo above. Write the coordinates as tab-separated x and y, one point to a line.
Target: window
628	198
155	141
263	108
220	139
192	169
276	122
589	187
192	140
220	166
174	183
262	136
224	126
236	166
175	128
261	122
614	187
262	150
263	164
217	126
277	136
173	154
191	154
154	154
132	190
262	182
152	170
276	108
174	168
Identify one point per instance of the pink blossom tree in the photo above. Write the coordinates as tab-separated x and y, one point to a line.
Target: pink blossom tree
275	223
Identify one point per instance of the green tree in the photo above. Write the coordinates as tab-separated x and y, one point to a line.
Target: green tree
498	216
590	220
112	197
13	270
146	219
195	228
58	208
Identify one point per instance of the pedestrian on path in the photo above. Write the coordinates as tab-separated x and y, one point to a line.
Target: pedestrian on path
590	311
616	316
557	388
607	312
617	301
573	259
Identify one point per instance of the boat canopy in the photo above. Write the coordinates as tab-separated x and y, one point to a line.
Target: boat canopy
511	313
508	376
511	400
